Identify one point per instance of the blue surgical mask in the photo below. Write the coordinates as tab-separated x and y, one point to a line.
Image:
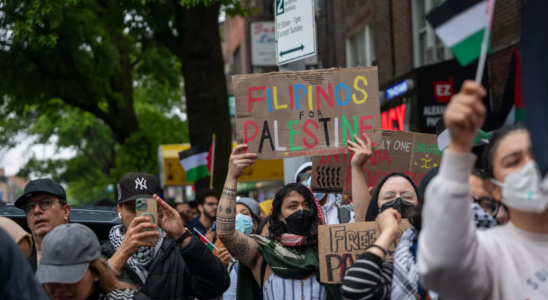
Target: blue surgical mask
244	224
318	196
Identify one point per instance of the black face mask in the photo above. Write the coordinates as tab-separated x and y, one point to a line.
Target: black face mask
299	222
403	207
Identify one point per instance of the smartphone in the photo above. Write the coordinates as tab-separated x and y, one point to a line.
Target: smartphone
148	207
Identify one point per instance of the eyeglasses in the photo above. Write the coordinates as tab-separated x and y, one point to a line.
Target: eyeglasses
489	205
211	203
45	204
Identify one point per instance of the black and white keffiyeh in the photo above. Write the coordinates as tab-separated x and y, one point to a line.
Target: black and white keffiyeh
126	294
140	261
482	219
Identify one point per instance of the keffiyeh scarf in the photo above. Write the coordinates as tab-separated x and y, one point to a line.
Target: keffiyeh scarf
126	294
405	277
140	261
482	219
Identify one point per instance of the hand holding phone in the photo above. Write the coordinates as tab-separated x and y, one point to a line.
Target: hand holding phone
148	207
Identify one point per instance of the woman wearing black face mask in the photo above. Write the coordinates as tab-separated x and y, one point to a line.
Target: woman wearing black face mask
284	264
395	191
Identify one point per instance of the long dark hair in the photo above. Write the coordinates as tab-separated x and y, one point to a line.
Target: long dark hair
373	209
277	227
494	142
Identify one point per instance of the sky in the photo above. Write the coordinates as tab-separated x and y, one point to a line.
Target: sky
14	159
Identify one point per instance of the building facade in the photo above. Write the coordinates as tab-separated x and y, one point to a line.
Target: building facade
417	73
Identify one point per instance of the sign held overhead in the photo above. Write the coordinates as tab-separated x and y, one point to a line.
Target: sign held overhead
295	30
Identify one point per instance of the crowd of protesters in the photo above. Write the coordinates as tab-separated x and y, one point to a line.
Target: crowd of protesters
479	231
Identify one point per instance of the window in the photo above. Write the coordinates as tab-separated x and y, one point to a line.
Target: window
427	47
237	62
360	49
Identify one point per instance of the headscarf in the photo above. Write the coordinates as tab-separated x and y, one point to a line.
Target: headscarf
14	230
294	240
373	209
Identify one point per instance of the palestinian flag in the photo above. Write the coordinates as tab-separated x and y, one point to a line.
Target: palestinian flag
204	240
197	161
461	25
482	137
511	109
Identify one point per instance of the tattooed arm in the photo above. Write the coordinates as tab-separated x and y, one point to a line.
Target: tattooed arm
241	247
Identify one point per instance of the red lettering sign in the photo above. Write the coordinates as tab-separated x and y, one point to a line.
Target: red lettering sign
394	114
443	90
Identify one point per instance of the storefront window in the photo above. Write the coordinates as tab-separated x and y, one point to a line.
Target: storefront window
360	49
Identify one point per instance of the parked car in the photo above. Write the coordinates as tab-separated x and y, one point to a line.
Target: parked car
99	218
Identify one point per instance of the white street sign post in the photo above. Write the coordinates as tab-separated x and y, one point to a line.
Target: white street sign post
295	30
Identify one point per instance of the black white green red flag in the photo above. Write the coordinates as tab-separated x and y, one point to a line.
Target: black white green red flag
197	161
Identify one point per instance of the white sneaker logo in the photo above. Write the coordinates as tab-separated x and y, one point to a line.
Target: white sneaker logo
142	183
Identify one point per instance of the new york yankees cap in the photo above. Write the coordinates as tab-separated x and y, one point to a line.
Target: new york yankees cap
137	185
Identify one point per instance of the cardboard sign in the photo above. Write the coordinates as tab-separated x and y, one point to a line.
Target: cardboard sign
340	245
411	153
309	113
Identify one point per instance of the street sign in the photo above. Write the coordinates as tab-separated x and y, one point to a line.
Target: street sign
295	30
263	41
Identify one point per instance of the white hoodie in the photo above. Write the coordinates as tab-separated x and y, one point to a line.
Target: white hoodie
459	262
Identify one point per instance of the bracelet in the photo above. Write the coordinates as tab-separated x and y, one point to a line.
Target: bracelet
379	247
112	268
183	237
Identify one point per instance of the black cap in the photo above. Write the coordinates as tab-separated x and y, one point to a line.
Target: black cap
39	187
137	185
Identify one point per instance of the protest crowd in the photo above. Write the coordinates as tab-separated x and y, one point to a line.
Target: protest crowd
473	225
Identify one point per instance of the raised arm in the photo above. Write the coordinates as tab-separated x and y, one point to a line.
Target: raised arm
360	191
240	246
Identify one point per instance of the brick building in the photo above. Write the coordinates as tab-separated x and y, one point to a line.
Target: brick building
415	69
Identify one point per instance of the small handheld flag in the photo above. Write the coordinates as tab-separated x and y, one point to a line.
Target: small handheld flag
208	244
465	27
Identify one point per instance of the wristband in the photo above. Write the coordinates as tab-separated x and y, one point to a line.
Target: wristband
112	268
183	237
378	247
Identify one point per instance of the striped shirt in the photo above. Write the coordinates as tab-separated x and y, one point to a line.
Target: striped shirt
277	288
369	279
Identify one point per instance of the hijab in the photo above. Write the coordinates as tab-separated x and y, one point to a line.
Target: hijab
373	209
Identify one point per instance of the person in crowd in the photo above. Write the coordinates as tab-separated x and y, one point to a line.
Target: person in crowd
373	277
506	262
250	208
177	266
207	202
502	215
18	234
18	280
45	204
187	211
71	267
247	221
289	255
333	214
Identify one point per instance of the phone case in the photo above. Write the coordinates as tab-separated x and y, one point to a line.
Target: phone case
149	208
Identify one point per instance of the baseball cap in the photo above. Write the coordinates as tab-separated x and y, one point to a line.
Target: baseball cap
251	204
137	185
67	251
38	187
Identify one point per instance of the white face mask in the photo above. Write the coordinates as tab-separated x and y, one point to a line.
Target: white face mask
521	189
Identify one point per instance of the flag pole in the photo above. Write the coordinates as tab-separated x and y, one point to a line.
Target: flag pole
485	42
212	162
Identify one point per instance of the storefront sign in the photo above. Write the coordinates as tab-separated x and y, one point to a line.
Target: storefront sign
397	90
394	118
263	44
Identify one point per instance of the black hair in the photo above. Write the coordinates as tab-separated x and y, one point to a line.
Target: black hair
494	141
303	171
373	209
479	173
192	204
415	217
261	225
204	193
277	227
